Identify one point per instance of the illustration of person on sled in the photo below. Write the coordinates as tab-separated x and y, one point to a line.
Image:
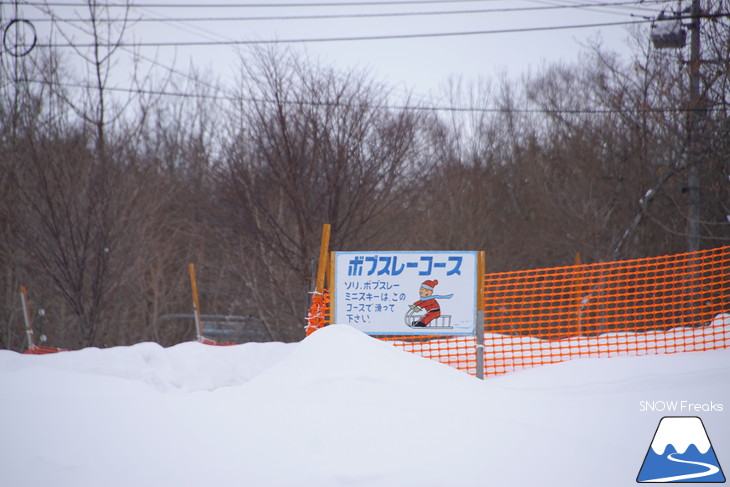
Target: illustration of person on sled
427	303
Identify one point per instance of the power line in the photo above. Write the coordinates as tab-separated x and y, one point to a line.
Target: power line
355	38
596	6
173	70
345	39
417	108
364	15
260	5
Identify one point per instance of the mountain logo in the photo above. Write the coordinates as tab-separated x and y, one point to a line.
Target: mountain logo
680	452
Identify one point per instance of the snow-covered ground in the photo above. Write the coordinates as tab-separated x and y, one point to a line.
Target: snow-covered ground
341	409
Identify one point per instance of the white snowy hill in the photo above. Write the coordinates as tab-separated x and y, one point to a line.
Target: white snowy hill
339	409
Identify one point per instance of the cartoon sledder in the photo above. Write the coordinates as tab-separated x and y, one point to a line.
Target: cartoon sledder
432	318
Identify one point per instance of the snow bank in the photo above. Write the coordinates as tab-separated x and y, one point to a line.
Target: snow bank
338	408
186	367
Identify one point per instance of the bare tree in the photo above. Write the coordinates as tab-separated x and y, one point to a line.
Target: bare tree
81	198
311	146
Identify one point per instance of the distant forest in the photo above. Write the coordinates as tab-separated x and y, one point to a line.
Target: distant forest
108	195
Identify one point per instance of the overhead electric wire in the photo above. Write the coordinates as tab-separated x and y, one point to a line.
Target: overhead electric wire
419	108
596	9
165	67
345	39
231	42
605	8
369	15
261	5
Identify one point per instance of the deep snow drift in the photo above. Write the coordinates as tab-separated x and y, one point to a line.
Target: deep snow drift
340	408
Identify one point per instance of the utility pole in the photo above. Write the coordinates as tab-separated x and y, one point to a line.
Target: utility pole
694	129
668	33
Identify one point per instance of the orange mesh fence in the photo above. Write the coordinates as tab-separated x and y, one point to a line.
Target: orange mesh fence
457	351
42	350
639	307
208	341
646	306
319	312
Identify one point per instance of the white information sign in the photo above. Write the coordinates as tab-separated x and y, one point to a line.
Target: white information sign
406	293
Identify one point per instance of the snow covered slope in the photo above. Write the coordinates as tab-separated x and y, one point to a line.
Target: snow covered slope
340	408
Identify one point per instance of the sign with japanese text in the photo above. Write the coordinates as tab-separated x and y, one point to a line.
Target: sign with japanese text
402	293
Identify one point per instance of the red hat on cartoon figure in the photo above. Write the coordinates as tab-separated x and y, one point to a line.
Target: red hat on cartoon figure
429	284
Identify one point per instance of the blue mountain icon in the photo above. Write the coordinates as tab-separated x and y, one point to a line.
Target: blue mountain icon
680	452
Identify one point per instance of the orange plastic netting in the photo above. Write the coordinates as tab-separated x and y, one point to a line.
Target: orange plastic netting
319	312
42	350
645	306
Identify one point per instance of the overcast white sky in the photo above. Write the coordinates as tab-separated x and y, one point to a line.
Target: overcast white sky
417	64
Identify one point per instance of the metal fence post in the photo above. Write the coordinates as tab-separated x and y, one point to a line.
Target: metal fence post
479	327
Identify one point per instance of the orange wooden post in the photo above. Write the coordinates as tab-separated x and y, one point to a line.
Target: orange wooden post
315	320
323	258
196	303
